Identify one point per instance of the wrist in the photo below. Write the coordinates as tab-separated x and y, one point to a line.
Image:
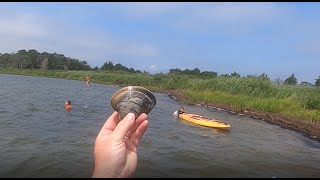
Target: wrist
100	171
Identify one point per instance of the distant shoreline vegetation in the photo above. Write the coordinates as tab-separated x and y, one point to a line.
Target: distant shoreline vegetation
250	93
32	59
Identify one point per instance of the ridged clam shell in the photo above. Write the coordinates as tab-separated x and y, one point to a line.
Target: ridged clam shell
135	99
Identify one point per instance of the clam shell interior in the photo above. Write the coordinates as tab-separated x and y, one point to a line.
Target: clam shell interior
135	99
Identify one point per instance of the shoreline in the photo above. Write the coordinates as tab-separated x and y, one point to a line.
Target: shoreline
307	128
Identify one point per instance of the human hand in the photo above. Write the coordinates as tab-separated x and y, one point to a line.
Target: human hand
115	150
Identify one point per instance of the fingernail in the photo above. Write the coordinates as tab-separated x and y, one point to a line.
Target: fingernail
131	116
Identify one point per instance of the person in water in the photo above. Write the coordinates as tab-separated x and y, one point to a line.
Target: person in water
115	148
88	81
181	110
68	104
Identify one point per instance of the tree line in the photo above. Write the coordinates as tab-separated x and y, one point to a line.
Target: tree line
32	59
291	80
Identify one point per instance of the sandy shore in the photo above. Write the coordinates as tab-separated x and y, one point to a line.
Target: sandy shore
309	129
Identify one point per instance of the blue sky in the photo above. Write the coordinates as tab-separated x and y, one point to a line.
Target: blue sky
277	38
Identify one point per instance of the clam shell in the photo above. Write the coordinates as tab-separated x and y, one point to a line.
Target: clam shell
135	99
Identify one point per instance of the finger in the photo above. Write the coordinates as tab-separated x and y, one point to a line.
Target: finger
123	126
110	124
137	123
137	135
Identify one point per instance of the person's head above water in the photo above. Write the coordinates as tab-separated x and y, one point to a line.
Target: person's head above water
69	102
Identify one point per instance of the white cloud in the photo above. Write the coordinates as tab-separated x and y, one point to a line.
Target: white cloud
22	25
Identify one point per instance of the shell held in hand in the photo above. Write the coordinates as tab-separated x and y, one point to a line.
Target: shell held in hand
135	99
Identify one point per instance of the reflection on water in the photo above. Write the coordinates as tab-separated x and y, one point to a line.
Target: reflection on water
40	139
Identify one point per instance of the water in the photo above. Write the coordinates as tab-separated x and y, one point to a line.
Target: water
40	139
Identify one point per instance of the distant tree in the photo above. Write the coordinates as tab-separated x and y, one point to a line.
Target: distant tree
317	83
5	60
107	66
22	51
196	71
120	67
44	64
131	70
224	75
187	71
174	70
208	74
95	68
234	74
291	80
32	59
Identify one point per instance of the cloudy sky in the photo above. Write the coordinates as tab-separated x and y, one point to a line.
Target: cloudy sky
278	38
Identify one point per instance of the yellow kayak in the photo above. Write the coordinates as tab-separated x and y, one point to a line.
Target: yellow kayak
204	121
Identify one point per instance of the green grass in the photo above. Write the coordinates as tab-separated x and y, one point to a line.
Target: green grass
287	107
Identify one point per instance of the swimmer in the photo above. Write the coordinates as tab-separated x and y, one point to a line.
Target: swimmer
68	104
181	110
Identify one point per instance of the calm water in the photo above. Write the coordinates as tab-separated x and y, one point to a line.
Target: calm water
40	139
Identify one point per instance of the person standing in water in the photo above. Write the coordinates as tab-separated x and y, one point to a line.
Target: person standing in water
88	81
88	85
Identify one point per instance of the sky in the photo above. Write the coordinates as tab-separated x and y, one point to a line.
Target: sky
250	38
